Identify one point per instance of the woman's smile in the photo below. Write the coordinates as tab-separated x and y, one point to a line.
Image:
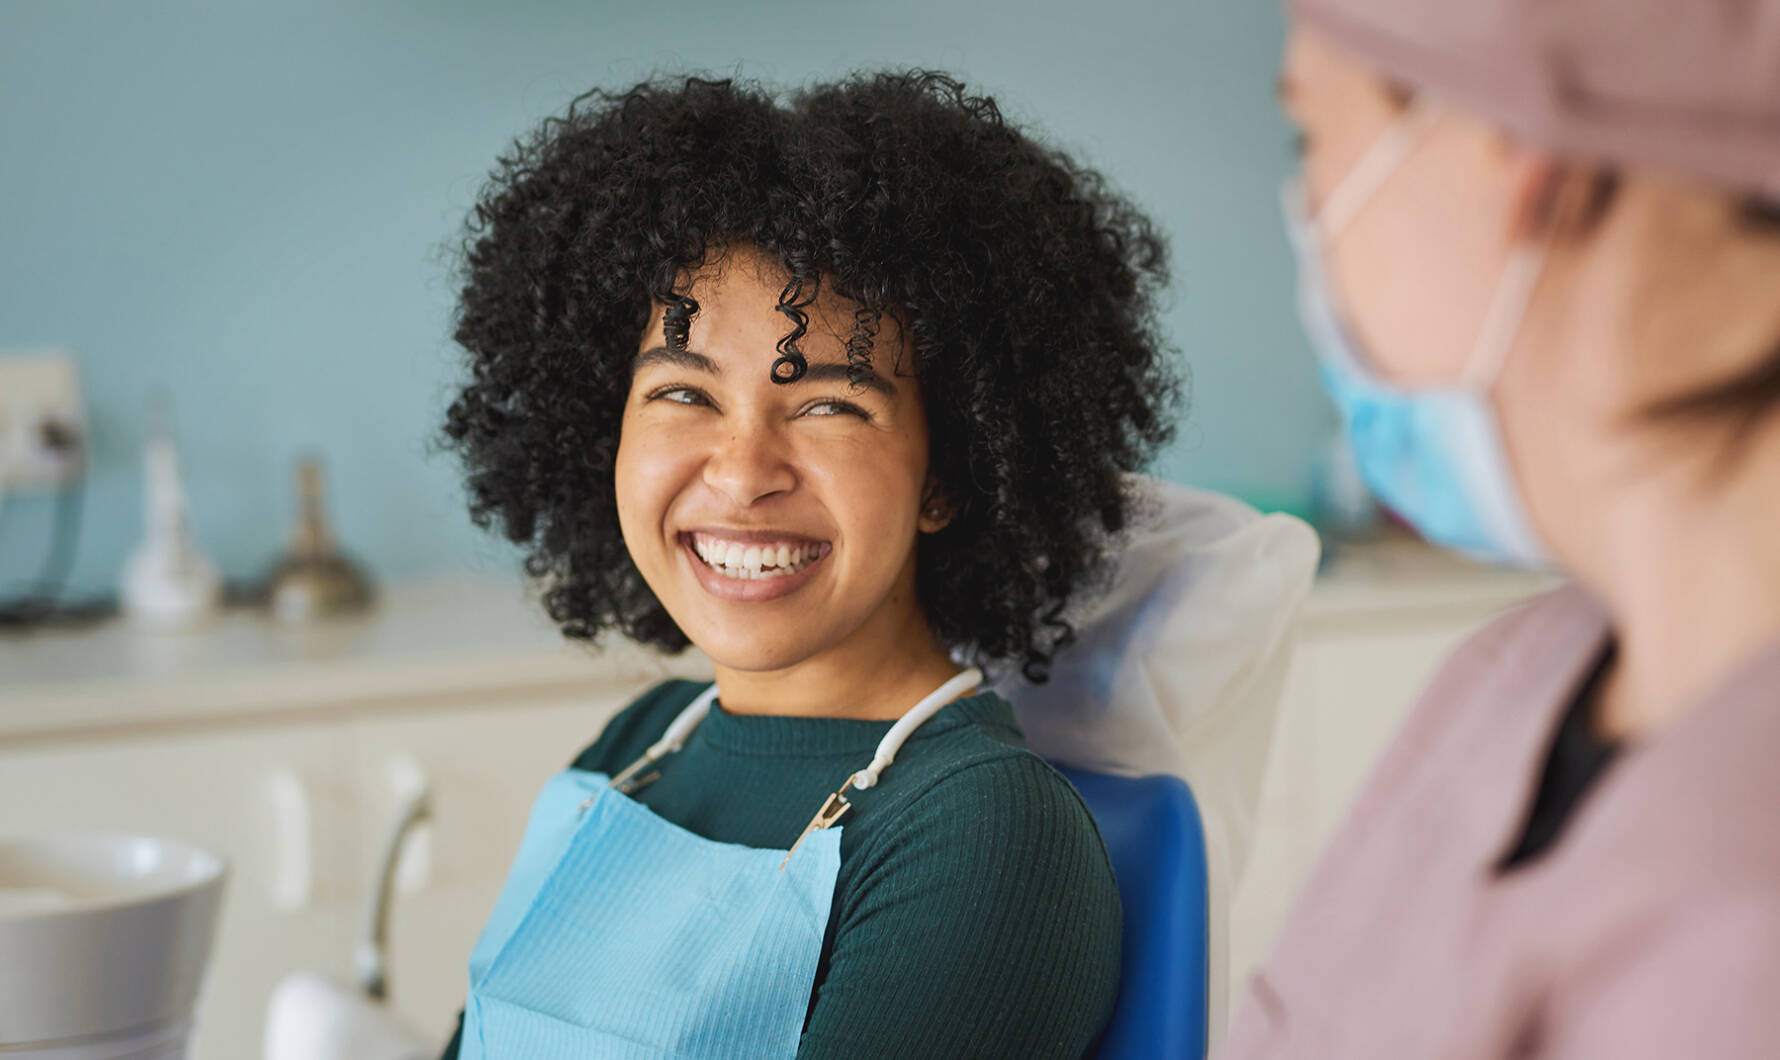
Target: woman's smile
752	566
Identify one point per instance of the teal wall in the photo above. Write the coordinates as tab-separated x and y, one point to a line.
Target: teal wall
244	206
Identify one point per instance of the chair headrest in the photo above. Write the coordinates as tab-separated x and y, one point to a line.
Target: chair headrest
1193	626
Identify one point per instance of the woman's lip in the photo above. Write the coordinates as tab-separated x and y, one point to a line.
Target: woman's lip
747	590
753	537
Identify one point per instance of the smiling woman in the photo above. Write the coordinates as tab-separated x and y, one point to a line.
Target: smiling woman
838	389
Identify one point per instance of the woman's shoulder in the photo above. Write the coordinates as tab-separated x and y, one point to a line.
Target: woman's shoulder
1491	703
981	755
981	896
979	790
1012	809
988	776
1499	691
633	729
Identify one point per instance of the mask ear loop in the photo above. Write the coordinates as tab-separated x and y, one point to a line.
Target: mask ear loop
1506	314
1382	159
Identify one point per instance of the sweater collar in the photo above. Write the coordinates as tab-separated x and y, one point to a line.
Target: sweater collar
773	734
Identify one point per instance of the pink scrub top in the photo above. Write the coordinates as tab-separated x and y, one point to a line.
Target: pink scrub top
1650	929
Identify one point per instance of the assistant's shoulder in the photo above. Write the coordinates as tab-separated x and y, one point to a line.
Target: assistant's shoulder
1495	692
1562	618
1512	664
638	725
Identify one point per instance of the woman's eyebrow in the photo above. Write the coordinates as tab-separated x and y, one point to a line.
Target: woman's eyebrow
835	372
820	372
698	362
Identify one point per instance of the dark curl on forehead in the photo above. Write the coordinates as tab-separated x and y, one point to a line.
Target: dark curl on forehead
1024	286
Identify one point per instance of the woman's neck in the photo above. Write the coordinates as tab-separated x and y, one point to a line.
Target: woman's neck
1686	556
875	674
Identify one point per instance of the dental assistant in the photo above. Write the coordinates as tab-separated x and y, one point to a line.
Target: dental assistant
1540	262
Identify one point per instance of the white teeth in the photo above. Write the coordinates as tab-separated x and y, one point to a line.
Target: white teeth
754	562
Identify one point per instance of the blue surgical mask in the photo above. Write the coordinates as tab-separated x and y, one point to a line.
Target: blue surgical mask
1434	455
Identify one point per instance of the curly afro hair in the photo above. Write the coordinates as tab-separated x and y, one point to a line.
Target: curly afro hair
1025	285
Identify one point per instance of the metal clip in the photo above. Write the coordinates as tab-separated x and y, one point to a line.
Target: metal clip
625	782
831	811
628	787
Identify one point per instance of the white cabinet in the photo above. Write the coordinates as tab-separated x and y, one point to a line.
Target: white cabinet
213	788
483	768
287	751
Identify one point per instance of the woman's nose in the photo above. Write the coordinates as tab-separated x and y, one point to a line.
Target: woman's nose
749	463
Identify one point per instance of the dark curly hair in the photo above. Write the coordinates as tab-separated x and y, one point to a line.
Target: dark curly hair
1025	285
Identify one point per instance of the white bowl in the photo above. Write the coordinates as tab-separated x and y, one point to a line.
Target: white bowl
102	934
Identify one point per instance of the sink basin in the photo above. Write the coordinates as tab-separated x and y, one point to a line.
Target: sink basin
102	937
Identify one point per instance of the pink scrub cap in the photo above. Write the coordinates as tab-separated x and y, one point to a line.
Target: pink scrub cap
1687	86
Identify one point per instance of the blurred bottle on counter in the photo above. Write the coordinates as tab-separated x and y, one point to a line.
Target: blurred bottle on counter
168	583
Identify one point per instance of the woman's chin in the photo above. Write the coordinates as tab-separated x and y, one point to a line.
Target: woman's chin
747	648
747	658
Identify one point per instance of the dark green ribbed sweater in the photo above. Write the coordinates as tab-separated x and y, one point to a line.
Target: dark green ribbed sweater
975	914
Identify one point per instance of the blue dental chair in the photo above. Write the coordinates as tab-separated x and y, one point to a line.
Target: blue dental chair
1153	834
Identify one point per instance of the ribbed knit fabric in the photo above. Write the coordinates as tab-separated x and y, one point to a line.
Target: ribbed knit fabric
975	914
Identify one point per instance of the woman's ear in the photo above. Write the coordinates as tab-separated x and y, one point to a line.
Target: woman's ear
936	509
1549	200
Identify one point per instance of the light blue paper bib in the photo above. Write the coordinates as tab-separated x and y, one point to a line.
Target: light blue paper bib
619	934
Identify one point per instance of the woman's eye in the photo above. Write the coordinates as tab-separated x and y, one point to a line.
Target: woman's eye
835	408
678	395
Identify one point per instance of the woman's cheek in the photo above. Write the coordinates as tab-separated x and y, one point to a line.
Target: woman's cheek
874	489
639	481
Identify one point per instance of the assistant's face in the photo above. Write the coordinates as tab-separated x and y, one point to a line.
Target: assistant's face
1416	268
773	521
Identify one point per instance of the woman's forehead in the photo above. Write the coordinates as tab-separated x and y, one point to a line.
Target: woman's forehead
1316	75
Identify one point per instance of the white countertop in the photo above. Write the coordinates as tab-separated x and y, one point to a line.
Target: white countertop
422	644
1392	579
